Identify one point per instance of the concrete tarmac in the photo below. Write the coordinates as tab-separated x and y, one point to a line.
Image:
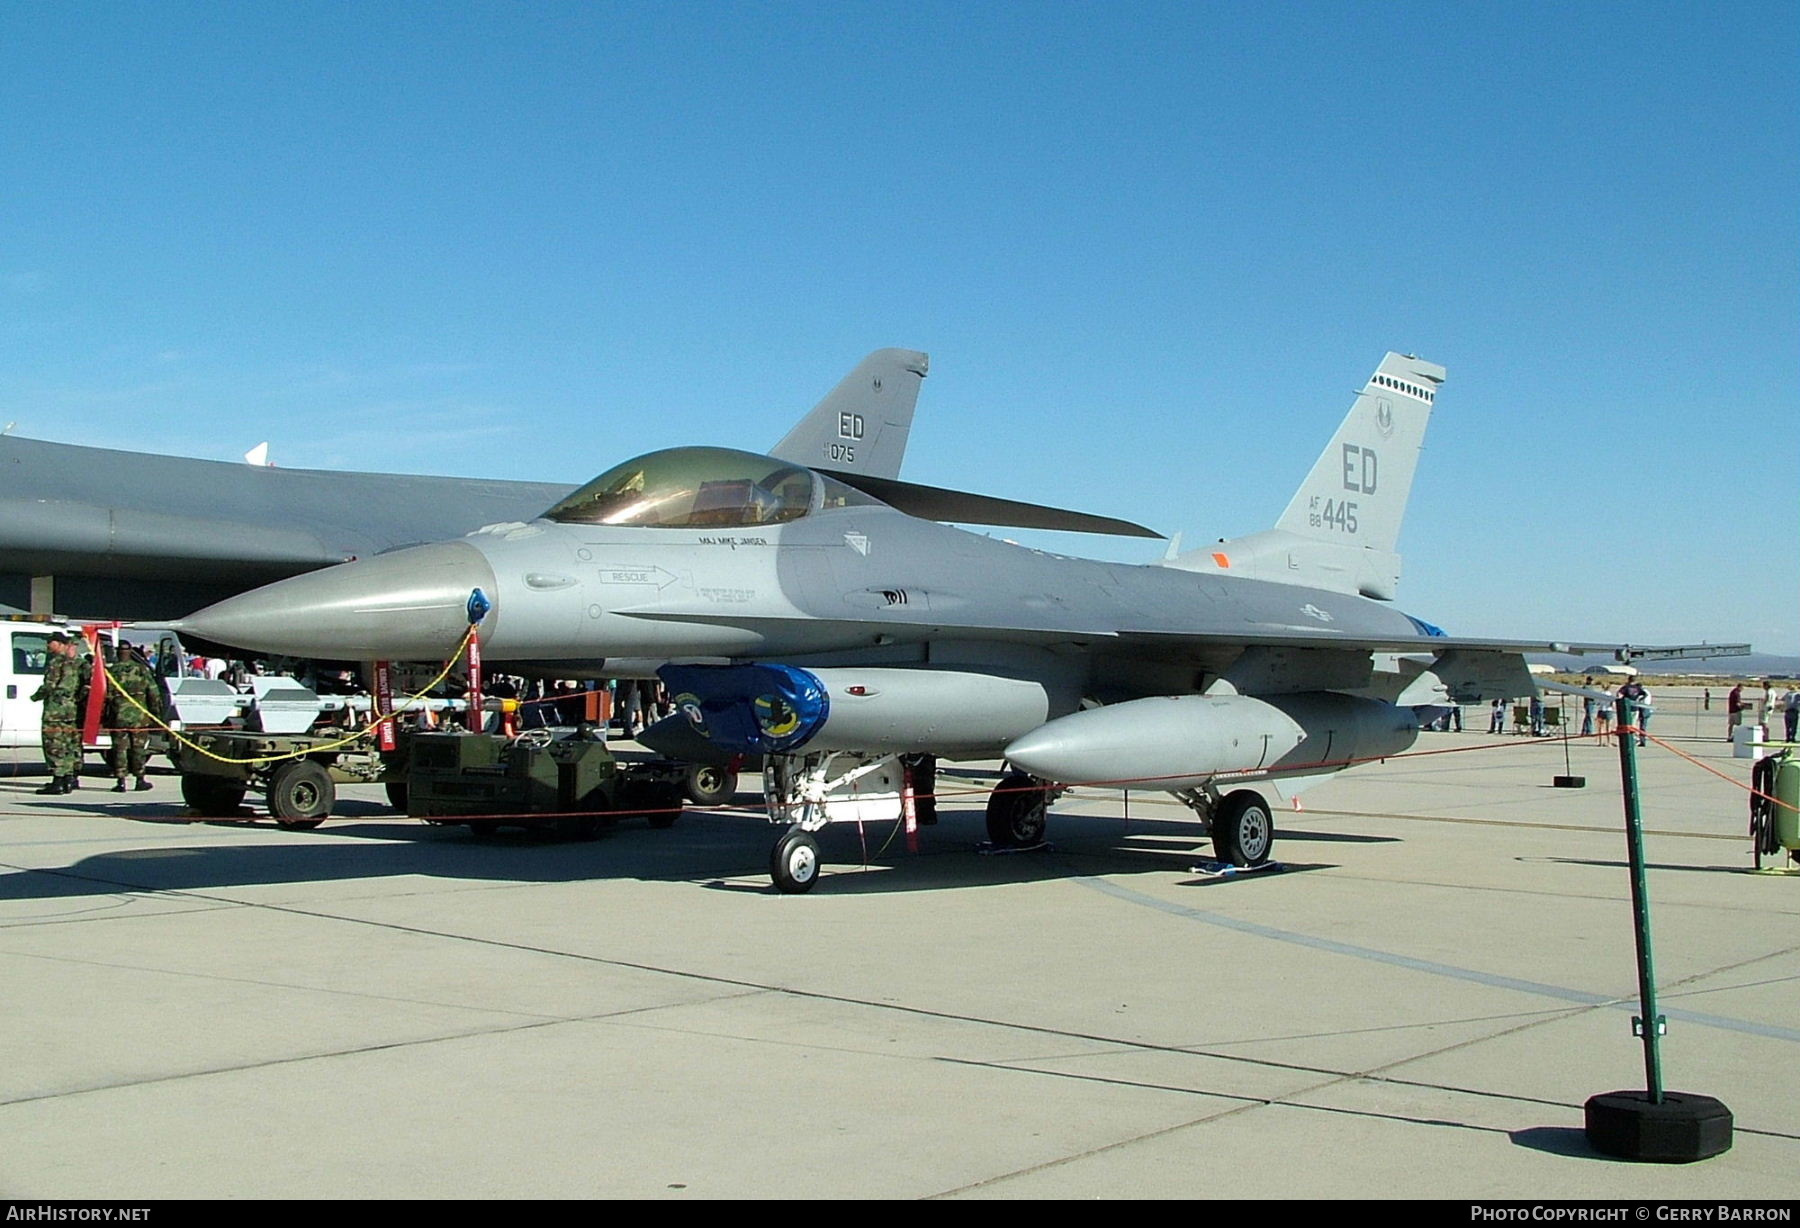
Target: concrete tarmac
1416	1008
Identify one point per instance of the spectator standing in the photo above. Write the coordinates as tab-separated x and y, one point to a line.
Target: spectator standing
1638	707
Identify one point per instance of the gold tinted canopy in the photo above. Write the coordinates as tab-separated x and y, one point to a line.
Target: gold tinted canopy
692	488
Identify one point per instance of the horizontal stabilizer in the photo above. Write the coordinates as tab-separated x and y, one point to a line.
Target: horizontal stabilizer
961	507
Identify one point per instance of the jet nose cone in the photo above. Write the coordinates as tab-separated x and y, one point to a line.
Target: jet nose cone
1042	752
411	605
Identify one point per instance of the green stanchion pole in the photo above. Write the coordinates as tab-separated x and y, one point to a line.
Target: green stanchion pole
1664	1127
1650	1025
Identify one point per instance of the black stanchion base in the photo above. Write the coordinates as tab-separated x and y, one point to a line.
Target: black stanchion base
1686	1126
1569	782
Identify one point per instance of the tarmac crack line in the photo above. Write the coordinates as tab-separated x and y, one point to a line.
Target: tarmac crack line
1293	1100
731	982
1616	898
1251	1104
354	1051
284	985
1580	997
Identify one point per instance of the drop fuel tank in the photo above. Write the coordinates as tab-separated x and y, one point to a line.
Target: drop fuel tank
1182	741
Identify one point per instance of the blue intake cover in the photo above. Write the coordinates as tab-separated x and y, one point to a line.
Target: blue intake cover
749	709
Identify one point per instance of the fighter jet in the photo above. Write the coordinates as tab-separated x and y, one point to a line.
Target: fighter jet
136	535
809	615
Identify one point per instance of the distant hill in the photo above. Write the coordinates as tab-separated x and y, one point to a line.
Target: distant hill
1756	665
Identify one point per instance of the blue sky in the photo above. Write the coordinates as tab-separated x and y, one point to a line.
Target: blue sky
1151	249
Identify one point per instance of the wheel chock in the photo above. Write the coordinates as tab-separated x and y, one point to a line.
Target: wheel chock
1224	869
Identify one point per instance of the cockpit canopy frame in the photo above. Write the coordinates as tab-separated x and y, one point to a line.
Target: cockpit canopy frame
703	488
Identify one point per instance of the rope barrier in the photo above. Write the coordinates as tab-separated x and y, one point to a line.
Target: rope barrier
355	736
1752	790
952	794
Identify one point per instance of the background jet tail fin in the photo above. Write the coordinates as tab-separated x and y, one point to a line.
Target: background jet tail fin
862	424
1341	529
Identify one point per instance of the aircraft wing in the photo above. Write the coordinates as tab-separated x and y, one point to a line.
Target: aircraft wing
142	535
1427	645
1306	637
1444	668
1437	645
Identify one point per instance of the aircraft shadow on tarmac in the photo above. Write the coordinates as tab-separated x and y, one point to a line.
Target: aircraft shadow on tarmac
1601	864
718	850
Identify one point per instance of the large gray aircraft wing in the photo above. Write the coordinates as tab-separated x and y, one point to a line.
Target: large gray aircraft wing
69	509
1164	641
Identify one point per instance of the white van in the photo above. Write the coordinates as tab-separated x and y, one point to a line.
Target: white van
24	650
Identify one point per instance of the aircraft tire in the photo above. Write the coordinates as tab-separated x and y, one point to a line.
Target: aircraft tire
1243	830
213	796
708	784
301	795
794	863
1016	812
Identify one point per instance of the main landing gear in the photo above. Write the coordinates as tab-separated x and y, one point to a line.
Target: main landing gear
1242	826
1017	811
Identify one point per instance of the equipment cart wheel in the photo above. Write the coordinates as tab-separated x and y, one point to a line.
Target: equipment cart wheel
794	865
301	794
1243	830
1016	812
396	795
708	784
213	796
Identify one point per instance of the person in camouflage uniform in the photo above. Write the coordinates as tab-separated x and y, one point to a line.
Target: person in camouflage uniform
61	722
125	721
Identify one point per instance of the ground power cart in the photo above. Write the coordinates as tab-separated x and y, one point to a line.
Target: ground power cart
571	787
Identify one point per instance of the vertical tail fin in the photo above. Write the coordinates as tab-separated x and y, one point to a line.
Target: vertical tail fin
1341	528
1356	494
861	425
